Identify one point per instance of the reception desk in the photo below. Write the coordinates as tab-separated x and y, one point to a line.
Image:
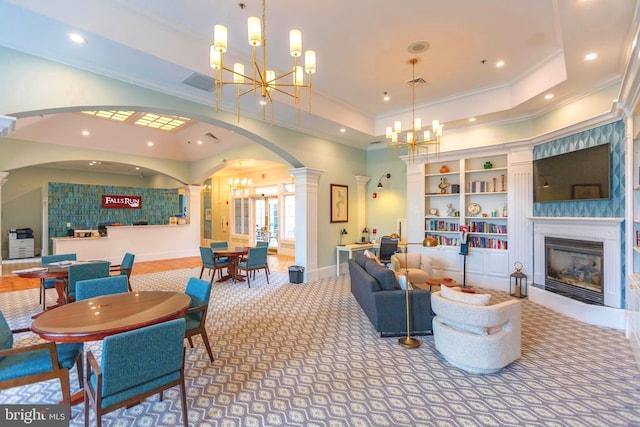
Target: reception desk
146	242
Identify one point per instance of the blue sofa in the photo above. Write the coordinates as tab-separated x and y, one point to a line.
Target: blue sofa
374	287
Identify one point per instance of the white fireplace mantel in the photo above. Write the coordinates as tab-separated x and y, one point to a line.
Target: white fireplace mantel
605	230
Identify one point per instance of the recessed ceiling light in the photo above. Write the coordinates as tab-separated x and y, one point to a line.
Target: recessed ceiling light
386	96
150	143
137	168
77	38
472	119
548	96
590	56
85	132
500	64
200	141
342	130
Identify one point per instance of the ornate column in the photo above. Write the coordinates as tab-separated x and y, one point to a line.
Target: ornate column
361	190
306	234
3	179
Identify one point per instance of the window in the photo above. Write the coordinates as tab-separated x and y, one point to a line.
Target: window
241	216
289	216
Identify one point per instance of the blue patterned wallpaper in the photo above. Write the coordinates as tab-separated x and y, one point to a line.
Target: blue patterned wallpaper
614	207
81	205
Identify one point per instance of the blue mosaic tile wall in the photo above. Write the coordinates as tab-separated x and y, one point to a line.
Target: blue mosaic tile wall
81	205
614	207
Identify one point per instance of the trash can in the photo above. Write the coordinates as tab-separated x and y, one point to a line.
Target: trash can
296	274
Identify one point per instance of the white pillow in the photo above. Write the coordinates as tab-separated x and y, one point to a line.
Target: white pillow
401	281
455	294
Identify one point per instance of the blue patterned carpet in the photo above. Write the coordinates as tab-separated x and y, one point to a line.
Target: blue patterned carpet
306	355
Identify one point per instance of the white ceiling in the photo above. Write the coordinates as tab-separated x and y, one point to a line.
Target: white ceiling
362	48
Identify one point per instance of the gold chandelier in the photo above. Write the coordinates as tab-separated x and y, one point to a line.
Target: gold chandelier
262	81
415	139
240	183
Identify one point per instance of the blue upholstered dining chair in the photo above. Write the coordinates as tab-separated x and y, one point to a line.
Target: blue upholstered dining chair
84	271
211	262
135	365
102	286
124	268
40	362
256	260
51	283
221	246
260	244
196	316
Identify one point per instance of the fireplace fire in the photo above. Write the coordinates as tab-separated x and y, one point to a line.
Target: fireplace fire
574	269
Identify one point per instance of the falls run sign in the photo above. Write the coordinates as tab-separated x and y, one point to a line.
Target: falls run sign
121	202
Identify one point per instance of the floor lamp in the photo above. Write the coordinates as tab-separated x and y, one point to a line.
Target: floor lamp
408	341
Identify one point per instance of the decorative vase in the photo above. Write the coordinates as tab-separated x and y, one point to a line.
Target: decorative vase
488	165
504	210
444	169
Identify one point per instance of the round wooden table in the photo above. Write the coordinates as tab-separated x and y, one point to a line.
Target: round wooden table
49	272
234	258
95	318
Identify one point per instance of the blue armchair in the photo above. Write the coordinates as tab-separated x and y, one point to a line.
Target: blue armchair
135	365
256	260
196	316
51	283
103	286
84	271
35	363
124	268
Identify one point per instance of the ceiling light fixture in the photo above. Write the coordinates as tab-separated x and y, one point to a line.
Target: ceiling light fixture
415	139
262	81
240	182
590	56
77	38
500	64
386	96
548	96
85	133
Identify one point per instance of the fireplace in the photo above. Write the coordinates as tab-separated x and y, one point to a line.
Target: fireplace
574	269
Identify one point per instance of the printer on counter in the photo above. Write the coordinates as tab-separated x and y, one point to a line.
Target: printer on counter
20	233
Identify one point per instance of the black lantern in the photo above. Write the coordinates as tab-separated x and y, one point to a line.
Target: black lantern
518	284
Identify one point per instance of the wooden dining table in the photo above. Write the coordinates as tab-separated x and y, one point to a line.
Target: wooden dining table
233	255
95	318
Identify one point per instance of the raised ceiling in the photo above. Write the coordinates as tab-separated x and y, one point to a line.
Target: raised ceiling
362	48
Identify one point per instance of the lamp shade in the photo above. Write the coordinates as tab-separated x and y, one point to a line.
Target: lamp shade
220	38
254	31
295	43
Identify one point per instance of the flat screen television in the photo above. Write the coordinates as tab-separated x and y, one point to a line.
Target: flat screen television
578	175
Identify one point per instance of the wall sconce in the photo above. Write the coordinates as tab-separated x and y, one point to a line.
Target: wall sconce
386	175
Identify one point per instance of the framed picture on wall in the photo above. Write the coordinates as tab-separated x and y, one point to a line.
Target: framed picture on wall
207	214
339	203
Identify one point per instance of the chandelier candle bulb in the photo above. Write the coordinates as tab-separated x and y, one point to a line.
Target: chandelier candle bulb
298	78
220	38
271	79
215	58
417	124
397	126
238	70
388	132
254	31
310	61
295	43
